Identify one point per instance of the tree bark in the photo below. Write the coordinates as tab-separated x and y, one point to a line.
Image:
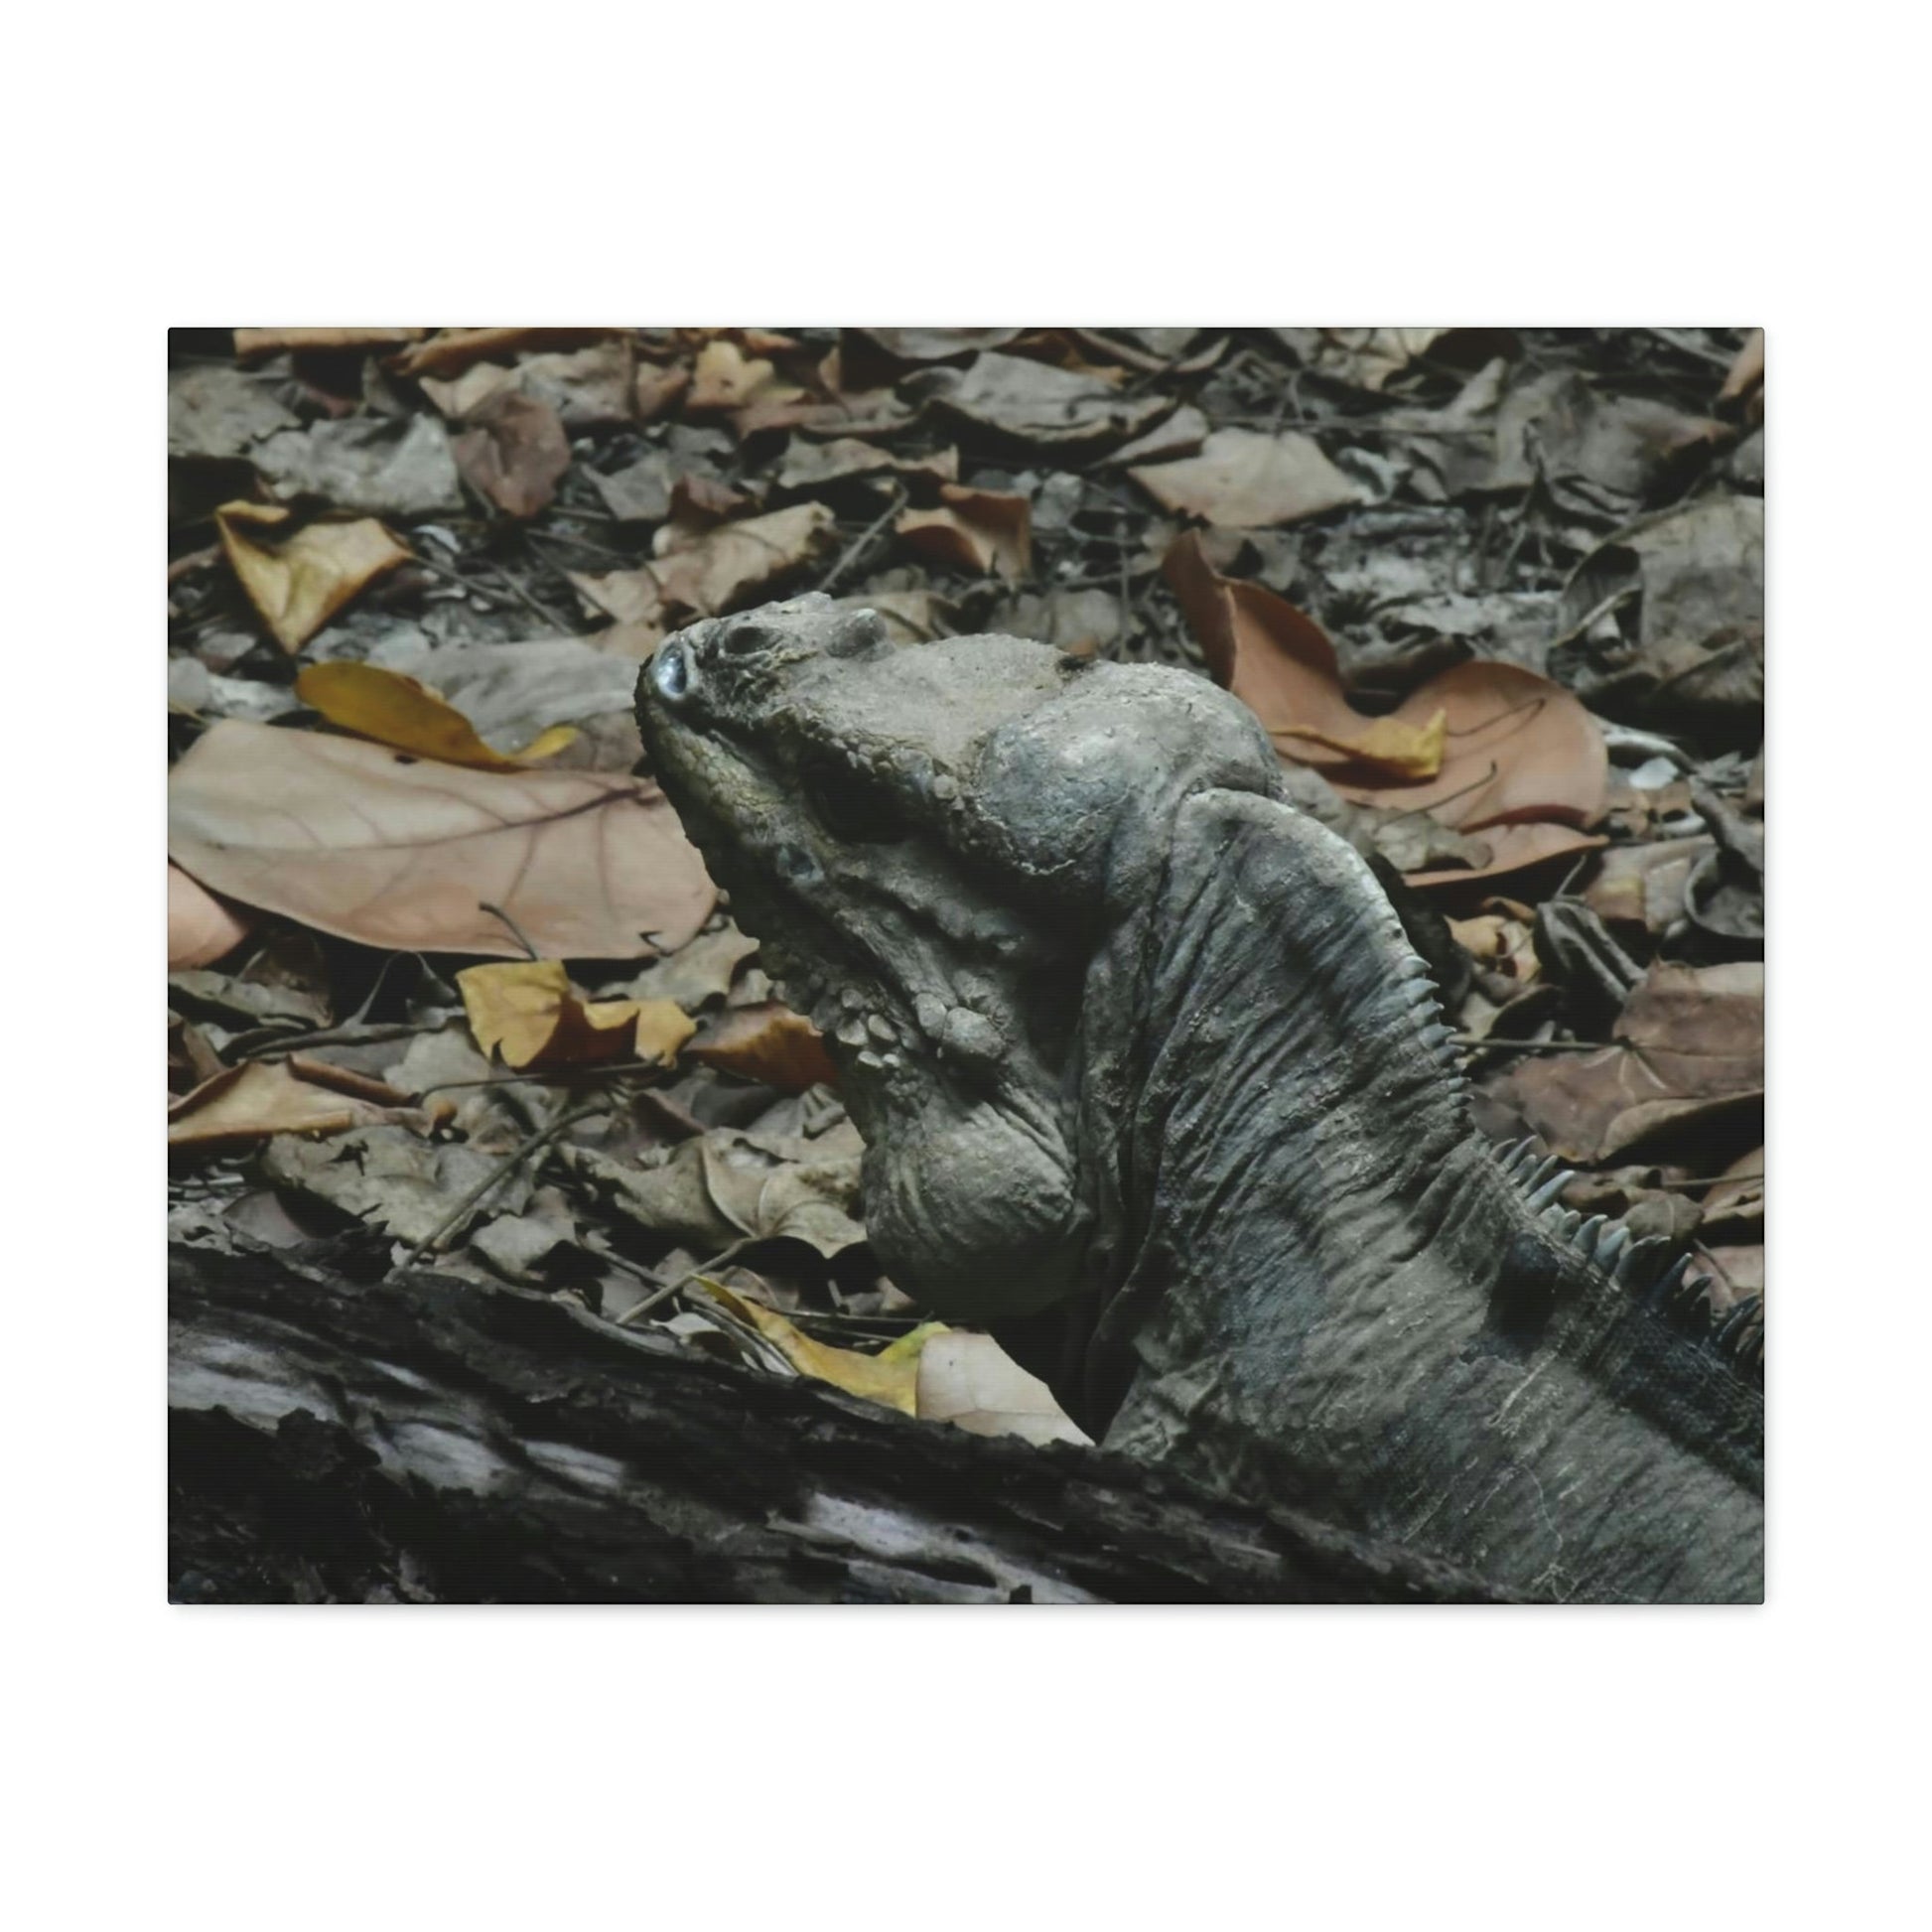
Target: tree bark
418	1437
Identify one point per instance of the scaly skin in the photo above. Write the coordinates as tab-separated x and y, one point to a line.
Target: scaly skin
1143	1059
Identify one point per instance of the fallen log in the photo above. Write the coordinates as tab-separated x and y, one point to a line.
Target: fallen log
351	1435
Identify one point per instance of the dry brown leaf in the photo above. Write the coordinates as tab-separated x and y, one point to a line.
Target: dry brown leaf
1520	748
1245	480
720	570
1696	1055
200	927
451	351
513	451
299	573
978	529
528	1014
725	378
252	344
396	709
380	846
768	1042
251	1102
970	1381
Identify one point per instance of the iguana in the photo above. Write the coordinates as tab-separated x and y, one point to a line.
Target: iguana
1141	1053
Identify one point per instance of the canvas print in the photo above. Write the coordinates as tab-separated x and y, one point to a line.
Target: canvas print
996	965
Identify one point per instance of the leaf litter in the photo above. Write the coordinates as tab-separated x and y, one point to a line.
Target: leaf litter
1498	596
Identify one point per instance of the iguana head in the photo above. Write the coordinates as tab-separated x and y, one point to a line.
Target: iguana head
935	844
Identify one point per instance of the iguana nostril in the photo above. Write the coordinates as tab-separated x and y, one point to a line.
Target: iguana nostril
670	673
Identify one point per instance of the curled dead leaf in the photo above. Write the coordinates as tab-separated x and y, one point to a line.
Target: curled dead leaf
299	573
529	1015
978	529
382	847
396	709
1518	746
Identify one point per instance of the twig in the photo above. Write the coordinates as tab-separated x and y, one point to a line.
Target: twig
522	937
1614	601
859	544
349	1035
670	1288
553	1076
527	599
448	575
464	1208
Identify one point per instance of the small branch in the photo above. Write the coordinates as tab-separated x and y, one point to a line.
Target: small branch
670	1288
857	547
464	1208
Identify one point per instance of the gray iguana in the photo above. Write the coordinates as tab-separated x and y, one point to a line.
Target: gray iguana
1144	1062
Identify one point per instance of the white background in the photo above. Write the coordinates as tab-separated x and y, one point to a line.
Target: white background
1392	164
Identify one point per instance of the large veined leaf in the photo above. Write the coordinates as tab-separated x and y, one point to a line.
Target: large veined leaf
378	846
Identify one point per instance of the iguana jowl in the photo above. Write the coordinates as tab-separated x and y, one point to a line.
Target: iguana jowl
1130	1037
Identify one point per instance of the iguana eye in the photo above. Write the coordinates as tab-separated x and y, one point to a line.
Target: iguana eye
851	803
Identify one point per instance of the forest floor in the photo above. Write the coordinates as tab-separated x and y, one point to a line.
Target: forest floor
1497	595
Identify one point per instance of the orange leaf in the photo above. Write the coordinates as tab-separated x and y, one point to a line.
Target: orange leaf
1518	746
771	1044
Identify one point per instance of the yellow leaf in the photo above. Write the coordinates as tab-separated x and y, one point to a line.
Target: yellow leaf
396	709
1402	751
662	1028
529	1013
890	1377
299	575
